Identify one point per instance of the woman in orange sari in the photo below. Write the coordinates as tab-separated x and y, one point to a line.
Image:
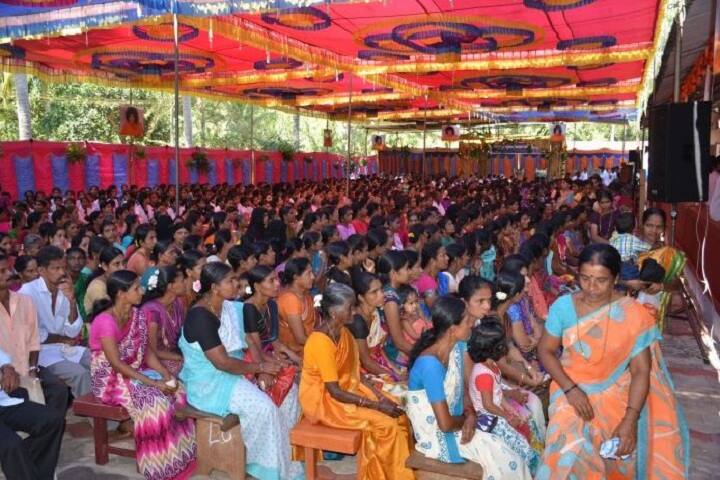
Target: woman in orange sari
613	412
333	393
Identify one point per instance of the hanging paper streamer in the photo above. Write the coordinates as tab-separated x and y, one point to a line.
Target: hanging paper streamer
25	174
325	166
453	165
306	169
296	167
60	175
193	175
92	171
120	172
153	172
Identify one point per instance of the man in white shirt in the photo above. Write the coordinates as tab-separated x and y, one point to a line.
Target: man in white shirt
584	175
605	176
58	322
37	456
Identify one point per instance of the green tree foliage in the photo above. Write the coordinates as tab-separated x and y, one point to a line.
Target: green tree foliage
76	112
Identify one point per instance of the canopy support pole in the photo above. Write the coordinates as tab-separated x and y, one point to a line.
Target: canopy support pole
423	140
176	109
349	147
252	144
676	98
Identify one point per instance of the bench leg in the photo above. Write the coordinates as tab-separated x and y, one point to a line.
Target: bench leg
311	459
100	435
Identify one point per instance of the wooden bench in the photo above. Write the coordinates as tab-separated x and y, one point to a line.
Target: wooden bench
219	440
314	438
429	469
89	406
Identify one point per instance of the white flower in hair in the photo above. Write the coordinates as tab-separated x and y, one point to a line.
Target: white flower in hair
248	290
196	286
501	296
316	300
153	281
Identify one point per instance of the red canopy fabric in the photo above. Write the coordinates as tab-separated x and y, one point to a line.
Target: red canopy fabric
441	60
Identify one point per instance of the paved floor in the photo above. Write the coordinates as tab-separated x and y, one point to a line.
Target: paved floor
697	388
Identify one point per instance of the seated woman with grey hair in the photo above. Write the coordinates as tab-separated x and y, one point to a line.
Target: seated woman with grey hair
333	393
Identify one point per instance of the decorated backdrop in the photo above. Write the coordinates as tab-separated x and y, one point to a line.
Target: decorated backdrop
34	165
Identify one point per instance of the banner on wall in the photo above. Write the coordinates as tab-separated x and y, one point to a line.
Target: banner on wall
132	121
450	133
378	142
327	138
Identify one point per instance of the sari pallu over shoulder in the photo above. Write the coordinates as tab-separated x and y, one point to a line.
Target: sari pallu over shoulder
598	348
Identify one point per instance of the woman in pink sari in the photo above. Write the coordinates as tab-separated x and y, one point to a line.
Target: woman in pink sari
165	448
164	311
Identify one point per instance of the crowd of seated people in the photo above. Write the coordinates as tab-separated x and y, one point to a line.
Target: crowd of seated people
513	324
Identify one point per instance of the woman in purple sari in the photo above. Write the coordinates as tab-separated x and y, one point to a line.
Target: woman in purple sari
164	311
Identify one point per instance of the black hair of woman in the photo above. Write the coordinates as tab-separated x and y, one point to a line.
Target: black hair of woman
446	312
361	280
357	243
166	276
293	269
508	283
119	281
256	275
107	255
337	250
141	233
238	254
602	254
649	212
454	251
429	252
487	341
189	259
390	261
376	237
211	274
310	239
515	262
471	284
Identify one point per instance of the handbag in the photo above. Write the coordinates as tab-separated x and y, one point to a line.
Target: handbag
283	383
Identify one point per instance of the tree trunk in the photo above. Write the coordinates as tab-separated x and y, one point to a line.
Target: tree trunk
187	120
22	100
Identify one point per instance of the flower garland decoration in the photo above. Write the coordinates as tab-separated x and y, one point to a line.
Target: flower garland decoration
76	153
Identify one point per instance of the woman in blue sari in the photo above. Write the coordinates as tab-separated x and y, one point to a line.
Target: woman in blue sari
215	378
441	413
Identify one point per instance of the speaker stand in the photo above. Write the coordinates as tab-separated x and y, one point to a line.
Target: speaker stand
673	221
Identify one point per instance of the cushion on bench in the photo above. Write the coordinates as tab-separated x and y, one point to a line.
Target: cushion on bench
317	436
467	470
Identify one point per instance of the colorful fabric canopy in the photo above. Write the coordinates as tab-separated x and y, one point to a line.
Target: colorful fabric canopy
394	60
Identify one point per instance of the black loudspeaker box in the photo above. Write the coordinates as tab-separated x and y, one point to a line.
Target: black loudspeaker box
679	162
634	158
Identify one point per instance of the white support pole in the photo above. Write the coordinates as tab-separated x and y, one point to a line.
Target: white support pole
176	110
252	144
349	147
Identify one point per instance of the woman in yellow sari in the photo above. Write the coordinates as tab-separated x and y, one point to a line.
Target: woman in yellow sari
613	412
333	393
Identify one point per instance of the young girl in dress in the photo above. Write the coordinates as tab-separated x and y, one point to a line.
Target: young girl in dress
412	320
486	346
